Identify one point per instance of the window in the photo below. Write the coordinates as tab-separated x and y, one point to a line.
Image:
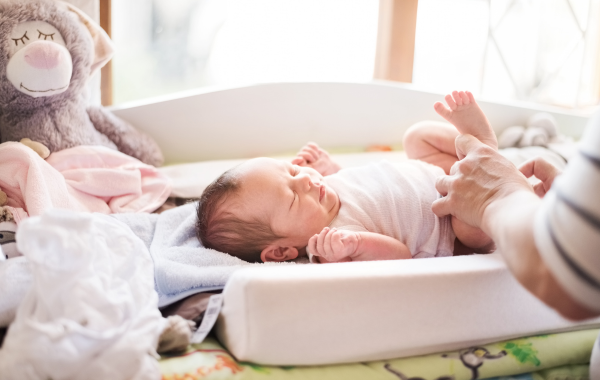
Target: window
544	51
166	46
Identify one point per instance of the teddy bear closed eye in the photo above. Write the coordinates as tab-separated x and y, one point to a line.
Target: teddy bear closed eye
48	51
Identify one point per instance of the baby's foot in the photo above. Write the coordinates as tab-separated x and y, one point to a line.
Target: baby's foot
464	113
313	156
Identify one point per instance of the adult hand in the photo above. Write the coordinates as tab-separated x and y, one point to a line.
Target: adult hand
480	177
542	170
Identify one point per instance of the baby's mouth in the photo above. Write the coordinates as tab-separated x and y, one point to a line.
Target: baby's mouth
321	192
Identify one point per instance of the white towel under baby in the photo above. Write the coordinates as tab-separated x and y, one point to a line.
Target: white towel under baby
91	311
394	199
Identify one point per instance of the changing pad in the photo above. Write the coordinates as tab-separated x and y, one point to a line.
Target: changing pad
364	311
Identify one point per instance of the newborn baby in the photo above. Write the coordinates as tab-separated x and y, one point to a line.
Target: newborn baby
271	210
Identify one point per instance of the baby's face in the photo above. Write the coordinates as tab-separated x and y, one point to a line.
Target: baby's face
294	200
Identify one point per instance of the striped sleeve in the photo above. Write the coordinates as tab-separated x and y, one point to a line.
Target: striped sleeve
567	226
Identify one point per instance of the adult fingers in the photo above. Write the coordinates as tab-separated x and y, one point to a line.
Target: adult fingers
466	144
441	207
541	169
539	189
454	168
442	185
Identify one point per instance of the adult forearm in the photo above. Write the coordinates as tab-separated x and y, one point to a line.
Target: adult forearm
510	223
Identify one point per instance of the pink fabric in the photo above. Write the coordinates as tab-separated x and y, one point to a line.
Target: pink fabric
84	178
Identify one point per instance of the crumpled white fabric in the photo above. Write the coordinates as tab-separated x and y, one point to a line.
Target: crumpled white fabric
91	312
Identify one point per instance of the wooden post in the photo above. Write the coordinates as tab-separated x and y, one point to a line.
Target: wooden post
396	40
106	86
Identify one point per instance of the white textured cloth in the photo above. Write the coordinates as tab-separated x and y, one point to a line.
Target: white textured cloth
394	200
15	280
91	311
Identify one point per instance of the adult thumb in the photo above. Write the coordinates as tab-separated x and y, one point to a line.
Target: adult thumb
465	144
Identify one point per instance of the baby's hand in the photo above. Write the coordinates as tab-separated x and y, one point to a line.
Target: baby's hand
333	245
313	156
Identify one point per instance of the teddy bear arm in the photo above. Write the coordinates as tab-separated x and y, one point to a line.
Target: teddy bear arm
127	139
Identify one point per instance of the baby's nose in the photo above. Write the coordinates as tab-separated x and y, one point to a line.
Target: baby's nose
43	55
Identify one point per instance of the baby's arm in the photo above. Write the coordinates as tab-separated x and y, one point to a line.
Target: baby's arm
332	245
313	156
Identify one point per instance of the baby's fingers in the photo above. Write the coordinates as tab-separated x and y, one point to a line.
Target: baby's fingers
312	245
321	241
306	156
337	242
298	161
314	146
314	152
327	246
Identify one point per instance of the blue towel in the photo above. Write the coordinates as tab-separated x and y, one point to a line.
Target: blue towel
182	266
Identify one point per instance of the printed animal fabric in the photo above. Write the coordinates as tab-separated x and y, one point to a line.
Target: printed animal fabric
543	357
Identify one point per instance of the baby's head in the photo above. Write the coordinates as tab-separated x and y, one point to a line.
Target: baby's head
265	210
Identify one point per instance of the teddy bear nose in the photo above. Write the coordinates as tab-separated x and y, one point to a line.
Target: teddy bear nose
43	55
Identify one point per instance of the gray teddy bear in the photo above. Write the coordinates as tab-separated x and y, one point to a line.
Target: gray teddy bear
48	51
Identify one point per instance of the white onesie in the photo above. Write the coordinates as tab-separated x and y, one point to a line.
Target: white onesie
394	200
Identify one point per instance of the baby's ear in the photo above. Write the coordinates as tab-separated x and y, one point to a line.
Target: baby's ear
103	46
275	253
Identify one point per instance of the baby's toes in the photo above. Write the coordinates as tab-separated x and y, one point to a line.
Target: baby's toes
457	98
464	98
470	96
450	102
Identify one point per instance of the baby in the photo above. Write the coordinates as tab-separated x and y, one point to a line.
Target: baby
271	210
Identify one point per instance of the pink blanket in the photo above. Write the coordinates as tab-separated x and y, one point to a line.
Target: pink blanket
84	178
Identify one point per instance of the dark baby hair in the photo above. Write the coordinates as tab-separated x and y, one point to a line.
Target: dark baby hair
224	231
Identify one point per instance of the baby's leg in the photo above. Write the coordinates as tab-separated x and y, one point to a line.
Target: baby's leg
473	238
432	142
464	113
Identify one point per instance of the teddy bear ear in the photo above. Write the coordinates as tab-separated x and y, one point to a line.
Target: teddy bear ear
103	46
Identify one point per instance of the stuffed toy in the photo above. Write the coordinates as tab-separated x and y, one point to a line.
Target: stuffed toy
48	51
